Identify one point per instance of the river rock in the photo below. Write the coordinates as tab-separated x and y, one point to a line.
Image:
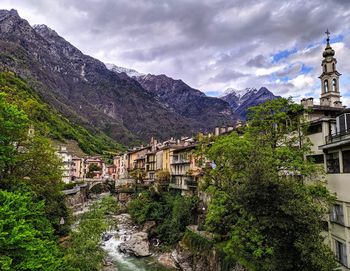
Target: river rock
167	260
148	226
183	258
137	245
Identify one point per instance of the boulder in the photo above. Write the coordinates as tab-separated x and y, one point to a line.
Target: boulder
148	226
183	258
137	245
167	260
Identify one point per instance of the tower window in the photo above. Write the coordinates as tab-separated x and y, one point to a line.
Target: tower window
334	82
333	66
325	85
325	67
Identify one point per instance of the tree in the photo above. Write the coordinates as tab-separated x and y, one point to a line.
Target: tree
93	168
138	175
268	202
84	251
26	236
29	163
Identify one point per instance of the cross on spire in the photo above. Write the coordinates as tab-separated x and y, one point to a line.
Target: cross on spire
328	35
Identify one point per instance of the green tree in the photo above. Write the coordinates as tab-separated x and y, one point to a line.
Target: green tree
26	236
138	175
268	202
29	163
93	168
171	212
84	252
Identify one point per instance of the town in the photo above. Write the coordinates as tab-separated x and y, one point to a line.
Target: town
173	162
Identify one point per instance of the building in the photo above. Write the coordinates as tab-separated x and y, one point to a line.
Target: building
77	168
111	172
329	131
66	158
94	168
184	173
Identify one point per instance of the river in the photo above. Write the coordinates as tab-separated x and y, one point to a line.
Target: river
121	261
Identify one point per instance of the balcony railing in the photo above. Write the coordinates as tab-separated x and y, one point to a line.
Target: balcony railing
191	183
339	136
180	161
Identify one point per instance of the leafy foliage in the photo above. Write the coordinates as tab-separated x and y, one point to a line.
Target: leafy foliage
171	212
84	252
267	201
26	236
29	163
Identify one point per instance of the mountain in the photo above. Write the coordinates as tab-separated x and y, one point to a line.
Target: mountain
117	69
181	99
241	100
48	121
82	88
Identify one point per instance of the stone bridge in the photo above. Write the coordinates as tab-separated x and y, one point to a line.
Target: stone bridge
93	182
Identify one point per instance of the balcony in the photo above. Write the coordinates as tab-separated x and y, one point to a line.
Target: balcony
191	183
337	139
180	161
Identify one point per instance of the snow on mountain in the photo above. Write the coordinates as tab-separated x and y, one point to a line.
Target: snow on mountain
129	72
239	93
241	100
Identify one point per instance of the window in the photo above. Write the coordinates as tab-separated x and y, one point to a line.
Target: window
342	126
317	159
325	67
333	66
337	214
314	129
334	83
325	85
346	161
333	163
340	252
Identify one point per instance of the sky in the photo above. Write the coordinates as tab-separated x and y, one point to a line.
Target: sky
211	45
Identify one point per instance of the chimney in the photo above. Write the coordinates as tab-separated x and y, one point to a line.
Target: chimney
229	128
217	131
222	130
239	124
310	102
303	102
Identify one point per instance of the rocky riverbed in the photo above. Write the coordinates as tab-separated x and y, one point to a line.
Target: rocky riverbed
128	249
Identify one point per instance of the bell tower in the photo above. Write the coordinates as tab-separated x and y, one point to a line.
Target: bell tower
330	95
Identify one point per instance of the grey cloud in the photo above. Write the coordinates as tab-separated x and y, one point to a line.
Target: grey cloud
226	75
200	39
291	70
259	61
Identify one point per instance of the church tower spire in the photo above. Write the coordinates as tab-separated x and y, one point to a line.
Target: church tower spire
330	95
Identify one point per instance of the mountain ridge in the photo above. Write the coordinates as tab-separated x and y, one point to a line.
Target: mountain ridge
82	88
241	100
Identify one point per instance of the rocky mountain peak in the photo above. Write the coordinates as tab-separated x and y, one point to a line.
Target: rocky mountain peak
241	100
6	14
118	69
45	31
239	93
11	23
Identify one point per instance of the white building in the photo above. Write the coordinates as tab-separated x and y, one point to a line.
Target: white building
66	158
329	131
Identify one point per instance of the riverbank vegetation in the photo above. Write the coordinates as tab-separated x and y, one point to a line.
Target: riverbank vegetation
171	212
268	203
83	252
33	213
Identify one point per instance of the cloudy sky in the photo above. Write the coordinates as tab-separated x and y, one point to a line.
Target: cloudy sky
209	44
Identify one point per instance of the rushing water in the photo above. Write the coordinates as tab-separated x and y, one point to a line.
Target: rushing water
124	262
